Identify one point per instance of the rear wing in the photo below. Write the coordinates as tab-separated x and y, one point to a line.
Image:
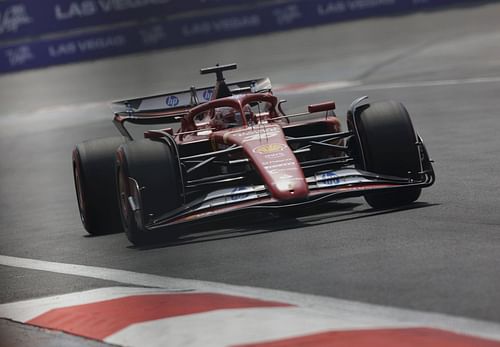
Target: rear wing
183	100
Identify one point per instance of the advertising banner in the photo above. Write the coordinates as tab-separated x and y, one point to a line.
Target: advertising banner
199	29
20	19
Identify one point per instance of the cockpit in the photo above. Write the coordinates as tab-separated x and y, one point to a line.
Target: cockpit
229	117
231	112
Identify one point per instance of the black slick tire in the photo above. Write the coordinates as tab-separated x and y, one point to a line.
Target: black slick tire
153	167
94	177
388	146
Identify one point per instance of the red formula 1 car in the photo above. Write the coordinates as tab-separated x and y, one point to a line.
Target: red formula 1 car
237	150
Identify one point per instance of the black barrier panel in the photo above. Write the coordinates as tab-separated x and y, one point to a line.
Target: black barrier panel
201	29
20	19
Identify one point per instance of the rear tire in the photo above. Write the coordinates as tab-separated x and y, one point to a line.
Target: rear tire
153	165
94	177
388	146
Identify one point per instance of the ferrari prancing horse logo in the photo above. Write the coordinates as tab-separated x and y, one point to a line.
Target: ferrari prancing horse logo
269	148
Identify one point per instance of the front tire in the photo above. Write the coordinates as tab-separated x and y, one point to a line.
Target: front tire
94	177
387	144
148	172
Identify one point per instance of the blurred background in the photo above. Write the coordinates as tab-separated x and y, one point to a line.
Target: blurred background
38	34
166	41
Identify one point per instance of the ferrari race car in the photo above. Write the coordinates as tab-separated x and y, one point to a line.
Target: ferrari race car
237	150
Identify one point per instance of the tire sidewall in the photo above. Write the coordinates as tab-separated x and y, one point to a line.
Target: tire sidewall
385	143
95	185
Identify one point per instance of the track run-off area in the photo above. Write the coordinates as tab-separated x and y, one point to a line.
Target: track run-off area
425	275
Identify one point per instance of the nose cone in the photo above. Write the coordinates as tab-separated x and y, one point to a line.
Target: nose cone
289	188
269	153
281	173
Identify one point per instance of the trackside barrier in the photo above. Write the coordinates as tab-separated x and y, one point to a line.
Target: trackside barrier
166	32
21	18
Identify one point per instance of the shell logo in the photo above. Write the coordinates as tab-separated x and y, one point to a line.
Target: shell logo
269	148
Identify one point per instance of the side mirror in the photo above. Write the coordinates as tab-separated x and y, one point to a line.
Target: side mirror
324	106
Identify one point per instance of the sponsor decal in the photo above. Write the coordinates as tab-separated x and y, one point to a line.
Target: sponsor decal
263	133
207	94
276	161
223	25
287	15
153	36
196	29
274	156
337	7
13	17
238	197
86	45
330	8
19	55
236	23
172	101
62	49
101	43
87	8
281	170
359	5
269	148
76	9
285	166
329	178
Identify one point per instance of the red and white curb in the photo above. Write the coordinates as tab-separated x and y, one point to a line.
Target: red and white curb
198	313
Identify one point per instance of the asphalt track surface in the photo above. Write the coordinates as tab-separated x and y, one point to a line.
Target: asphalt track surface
438	255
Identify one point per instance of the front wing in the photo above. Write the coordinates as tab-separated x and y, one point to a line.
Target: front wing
323	186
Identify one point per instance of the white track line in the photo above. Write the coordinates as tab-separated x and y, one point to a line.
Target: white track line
320	304
438	83
360	86
314	87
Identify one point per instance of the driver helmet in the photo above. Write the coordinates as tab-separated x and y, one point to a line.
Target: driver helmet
228	117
